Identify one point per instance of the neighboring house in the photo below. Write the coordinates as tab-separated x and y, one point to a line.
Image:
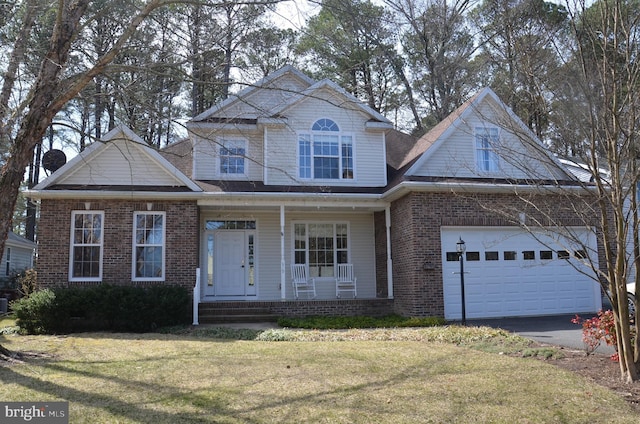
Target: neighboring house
296	171
17	256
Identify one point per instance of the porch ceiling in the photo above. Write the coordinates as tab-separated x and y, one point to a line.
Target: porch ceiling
329	203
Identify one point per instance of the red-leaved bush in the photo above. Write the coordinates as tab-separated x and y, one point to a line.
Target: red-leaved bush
598	329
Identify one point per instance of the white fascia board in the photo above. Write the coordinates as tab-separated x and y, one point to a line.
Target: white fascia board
69	167
294	199
169	168
234	97
407	187
221	126
24	244
372	125
115	194
273	122
453	126
225	199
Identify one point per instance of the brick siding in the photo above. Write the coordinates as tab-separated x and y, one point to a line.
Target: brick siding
181	245
415	236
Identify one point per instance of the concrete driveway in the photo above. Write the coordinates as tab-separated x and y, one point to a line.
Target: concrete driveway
555	330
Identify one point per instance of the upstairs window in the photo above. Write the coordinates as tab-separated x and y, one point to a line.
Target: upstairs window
486	143
232	158
325	153
86	245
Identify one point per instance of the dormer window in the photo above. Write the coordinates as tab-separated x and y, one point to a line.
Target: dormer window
325	153
486	142
232	157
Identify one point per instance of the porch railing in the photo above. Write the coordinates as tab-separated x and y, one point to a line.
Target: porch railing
196	297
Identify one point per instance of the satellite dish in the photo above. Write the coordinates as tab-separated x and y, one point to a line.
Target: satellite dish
53	160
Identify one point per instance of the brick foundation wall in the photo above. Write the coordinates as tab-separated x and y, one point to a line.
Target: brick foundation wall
181	245
415	236
305	308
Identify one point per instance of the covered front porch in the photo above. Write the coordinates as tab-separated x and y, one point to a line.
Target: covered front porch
247	250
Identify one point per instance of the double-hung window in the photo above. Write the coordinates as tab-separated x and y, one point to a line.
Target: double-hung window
8	259
486	145
325	153
148	246
87	229
321	246
232	157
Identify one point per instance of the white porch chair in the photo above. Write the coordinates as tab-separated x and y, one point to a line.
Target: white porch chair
301	282
345	280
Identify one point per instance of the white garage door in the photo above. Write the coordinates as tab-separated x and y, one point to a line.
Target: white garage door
509	272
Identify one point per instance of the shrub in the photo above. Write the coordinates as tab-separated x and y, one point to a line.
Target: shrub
103	307
390	321
598	329
35	314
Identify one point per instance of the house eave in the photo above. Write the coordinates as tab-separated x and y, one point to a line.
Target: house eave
377	126
112	194
233	199
407	187
301	200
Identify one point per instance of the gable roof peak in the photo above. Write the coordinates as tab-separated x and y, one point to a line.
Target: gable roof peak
252	87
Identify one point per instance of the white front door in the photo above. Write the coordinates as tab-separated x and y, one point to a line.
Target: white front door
230	263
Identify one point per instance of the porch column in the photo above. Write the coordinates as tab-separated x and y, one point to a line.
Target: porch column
387	216
283	282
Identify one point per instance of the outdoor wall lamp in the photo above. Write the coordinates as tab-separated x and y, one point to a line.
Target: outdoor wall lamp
461	248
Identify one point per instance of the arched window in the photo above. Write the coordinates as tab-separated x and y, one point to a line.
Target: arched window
325	153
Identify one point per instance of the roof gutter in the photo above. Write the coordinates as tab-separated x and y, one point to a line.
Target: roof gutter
221	198
406	187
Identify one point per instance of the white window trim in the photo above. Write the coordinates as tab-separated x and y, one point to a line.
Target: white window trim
341	135
486	129
134	245
230	143
7	269
335	250
72	245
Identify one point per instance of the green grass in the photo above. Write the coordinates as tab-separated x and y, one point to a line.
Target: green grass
208	375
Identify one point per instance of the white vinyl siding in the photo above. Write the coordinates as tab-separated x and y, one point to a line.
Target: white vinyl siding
207	165
16	259
120	164
362	250
455	156
87	238
369	161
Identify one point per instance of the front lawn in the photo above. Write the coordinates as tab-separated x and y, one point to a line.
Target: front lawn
426	375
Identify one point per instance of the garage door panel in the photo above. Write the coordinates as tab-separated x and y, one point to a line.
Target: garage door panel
526	279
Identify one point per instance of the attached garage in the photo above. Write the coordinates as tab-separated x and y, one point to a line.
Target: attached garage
510	272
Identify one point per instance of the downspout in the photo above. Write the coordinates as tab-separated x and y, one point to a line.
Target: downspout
283	292
387	216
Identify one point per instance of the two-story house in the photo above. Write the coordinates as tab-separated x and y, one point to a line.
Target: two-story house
296	171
